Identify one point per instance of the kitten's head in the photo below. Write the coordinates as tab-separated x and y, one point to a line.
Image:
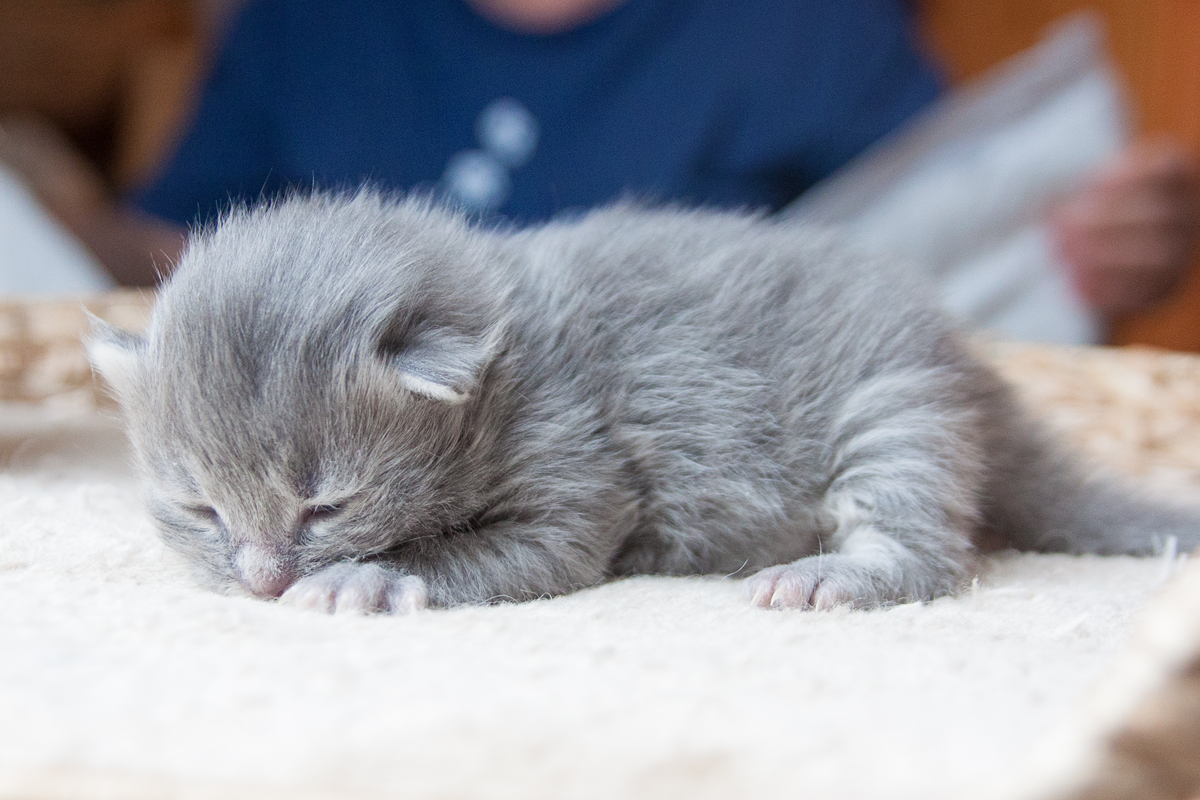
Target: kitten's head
312	386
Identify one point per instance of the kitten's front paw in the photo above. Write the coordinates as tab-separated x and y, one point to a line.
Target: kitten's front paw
352	588
822	582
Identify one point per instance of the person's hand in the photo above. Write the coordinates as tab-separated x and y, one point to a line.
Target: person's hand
1129	236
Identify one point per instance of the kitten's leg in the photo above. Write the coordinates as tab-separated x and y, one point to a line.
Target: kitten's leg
501	561
510	561
904	489
357	588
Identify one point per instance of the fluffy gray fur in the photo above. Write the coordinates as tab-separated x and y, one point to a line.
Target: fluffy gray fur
367	404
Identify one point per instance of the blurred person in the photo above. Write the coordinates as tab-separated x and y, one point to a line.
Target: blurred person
523	109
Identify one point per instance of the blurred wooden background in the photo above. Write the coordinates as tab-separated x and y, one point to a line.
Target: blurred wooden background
114	74
119	77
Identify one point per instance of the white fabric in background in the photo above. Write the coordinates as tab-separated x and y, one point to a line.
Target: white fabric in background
38	257
961	194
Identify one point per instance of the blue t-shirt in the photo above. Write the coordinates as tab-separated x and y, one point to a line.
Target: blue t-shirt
697	101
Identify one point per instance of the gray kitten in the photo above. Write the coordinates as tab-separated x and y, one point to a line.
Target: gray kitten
363	404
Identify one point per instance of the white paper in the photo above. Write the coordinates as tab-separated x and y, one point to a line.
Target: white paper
961	193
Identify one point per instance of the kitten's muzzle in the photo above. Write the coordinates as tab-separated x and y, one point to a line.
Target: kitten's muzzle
264	572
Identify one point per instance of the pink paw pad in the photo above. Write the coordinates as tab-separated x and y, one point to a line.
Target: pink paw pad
351	588
818	583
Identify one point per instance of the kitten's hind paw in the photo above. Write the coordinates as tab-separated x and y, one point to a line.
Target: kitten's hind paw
352	588
822	582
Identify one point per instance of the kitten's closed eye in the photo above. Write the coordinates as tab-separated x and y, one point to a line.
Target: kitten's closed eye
319	513
308	529
203	512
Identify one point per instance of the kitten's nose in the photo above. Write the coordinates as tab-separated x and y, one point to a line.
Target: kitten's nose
263	571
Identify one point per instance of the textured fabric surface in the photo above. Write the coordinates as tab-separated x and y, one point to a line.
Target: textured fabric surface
119	677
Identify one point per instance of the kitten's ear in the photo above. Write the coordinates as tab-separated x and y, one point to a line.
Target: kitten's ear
114	353
439	362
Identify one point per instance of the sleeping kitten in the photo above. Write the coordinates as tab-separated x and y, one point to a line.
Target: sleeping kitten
361	404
